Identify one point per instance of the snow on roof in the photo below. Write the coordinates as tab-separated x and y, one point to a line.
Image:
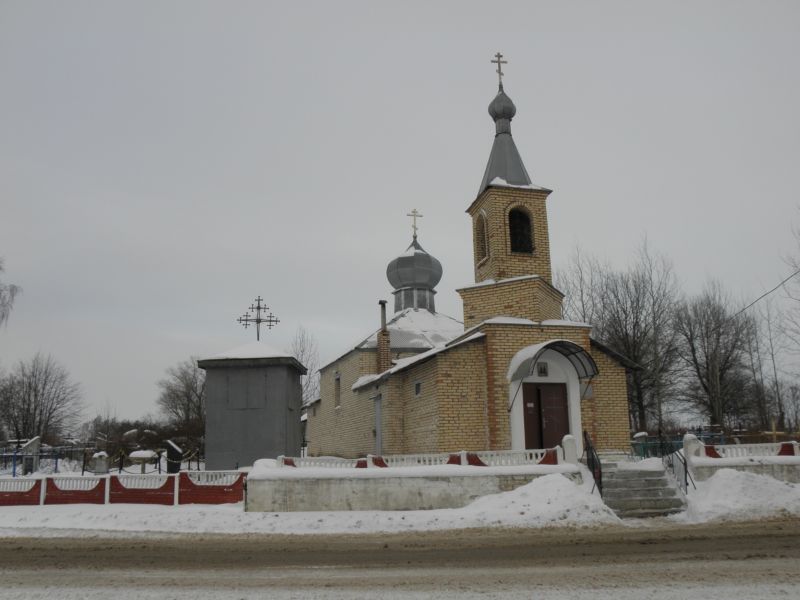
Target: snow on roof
508	321
417	328
563	323
486	282
404	363
500	182
251	350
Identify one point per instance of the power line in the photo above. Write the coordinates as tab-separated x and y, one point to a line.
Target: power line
765	294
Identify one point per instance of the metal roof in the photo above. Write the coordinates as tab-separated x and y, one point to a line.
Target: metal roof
504	159
522	365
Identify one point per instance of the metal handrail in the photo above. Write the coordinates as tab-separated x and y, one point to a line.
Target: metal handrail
593	463
675	461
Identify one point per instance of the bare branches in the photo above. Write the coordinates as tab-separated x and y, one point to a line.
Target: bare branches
8	292
38	398
304	349
183	398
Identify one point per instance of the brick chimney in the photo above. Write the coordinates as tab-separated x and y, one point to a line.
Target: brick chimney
384	354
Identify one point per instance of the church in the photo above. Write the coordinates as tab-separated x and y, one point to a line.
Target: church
511	375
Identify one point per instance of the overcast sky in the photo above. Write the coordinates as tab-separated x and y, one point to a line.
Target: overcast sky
163	163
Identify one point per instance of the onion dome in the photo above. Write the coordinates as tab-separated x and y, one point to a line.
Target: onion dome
505	166
413	276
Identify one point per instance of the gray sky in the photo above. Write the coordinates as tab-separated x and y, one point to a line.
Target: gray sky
163	163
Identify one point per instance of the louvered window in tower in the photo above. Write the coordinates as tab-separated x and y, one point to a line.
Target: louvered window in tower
481	247
519	226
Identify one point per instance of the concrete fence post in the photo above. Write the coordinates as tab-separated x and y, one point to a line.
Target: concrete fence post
463	457
691	447
570	447
279	461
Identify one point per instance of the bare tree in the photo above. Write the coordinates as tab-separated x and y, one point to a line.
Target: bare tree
304	349
38	398
183	398
713	341
8	292
631	312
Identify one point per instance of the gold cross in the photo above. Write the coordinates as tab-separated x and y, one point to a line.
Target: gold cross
414	214
499	62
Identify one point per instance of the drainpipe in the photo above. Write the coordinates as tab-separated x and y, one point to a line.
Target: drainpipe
384	360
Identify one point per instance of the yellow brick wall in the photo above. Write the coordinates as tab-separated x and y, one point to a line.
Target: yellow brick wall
346	430
463	404
421	413
461	377
533	299
609	408
501	263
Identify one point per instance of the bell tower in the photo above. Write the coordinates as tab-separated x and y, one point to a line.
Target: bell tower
509	231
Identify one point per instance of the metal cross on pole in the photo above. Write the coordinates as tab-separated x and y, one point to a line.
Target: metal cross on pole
261	317
499	62
414	214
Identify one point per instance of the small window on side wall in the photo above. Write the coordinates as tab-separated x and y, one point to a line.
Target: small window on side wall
337	391
417	388
519	227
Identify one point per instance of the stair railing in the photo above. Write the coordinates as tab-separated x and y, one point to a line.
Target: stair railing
675	462
593	463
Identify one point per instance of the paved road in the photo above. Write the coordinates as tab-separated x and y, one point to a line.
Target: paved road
751	560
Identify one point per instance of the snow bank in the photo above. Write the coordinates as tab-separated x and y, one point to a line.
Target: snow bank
549	501
266	470
735	495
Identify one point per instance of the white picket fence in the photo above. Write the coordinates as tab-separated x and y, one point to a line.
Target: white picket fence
142	482
214	477
745	450
83	484
17	485
495	458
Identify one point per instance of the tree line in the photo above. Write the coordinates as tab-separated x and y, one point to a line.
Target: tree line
700	358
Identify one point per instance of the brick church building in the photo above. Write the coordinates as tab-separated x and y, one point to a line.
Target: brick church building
512	375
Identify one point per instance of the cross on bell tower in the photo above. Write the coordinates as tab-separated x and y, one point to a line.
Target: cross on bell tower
261	317
498	60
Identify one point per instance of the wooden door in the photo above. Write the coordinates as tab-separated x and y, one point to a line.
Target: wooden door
545	413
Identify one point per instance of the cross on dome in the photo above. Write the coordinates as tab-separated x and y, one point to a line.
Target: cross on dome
499	62
414	214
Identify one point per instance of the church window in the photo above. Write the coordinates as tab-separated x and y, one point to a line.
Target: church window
337	391
481	246
541	369
519	226
417	388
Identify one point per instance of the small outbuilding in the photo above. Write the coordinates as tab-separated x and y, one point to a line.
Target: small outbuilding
253	405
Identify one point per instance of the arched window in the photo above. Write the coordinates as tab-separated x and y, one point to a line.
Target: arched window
519	226
481	247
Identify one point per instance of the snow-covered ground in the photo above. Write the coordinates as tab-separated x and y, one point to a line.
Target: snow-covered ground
549	501
731	495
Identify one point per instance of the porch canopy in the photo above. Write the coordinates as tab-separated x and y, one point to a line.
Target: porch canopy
524	361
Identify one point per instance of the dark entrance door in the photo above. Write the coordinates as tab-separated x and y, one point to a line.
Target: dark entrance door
546	414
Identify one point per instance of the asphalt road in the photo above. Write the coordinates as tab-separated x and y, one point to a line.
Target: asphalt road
657	560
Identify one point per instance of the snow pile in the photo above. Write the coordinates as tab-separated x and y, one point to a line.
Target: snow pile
736	495
552	500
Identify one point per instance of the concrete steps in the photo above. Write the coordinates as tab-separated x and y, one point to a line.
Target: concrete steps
639	493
